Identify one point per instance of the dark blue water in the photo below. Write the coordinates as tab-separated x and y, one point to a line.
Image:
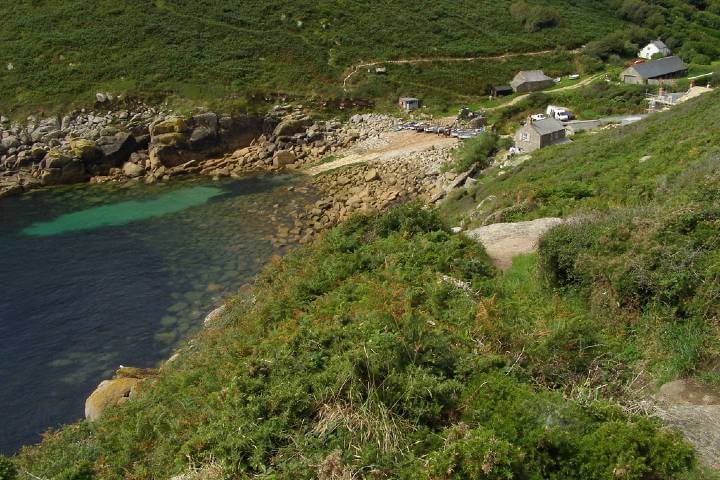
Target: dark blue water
98	276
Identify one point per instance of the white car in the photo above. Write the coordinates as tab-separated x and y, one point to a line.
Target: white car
574	76
559	113
538	117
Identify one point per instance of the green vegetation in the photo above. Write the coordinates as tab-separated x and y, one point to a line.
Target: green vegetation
476	151
241	51
644	257
360	357
534	17
244	53
8	471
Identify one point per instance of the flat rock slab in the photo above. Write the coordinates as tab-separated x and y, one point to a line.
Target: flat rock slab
505	241
694	409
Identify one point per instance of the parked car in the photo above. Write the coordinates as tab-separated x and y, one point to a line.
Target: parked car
559	113
537	117
574	76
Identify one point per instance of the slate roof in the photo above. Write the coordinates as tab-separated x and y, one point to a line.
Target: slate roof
547	126
531	76
660	67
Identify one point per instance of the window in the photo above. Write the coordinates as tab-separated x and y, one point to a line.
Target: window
524	136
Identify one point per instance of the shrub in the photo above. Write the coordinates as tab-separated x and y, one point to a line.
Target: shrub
7	469
476	453
81	471
476	151
534	17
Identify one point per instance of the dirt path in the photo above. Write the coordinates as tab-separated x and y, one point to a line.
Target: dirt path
388	147
411	61
520	98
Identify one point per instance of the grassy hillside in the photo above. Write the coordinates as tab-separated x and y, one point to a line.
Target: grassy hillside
62	51
644	258
360	359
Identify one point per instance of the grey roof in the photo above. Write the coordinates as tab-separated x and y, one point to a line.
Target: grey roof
660	67
546	126
531	76
409	99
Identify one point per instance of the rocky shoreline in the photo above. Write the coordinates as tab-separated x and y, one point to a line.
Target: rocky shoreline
297	143
134	142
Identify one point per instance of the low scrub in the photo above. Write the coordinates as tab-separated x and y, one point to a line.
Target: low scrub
474	152
654	269
360	356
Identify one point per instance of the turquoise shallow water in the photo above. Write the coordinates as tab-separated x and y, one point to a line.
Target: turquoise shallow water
122	213
98	276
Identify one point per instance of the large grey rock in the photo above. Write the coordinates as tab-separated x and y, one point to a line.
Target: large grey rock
110	393
202	136
208	120
11	141
283	158
695	410
505	241
133	170
71	172
117	149
291	126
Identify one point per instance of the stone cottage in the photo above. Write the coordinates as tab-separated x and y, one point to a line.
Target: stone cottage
531	81
537	134
654	72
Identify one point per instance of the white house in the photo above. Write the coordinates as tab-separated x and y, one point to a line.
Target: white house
653	48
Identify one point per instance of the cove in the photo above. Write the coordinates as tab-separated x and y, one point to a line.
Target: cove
93	277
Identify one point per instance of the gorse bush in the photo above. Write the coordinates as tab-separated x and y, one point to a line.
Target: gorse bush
476	152
534	17
360	354
656	262
7	469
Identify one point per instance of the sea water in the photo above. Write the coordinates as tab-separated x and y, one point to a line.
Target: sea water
93	277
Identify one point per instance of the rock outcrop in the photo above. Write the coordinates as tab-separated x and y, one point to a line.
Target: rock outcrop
126	384
695	410
505	241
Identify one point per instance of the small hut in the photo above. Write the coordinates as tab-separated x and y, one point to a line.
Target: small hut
409	104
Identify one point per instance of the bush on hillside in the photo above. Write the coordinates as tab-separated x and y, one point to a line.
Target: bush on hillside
476	152
7	469
654	263
534	17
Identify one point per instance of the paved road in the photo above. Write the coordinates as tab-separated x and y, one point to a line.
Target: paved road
581	125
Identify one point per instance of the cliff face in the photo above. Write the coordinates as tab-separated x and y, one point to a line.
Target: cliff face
53	151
